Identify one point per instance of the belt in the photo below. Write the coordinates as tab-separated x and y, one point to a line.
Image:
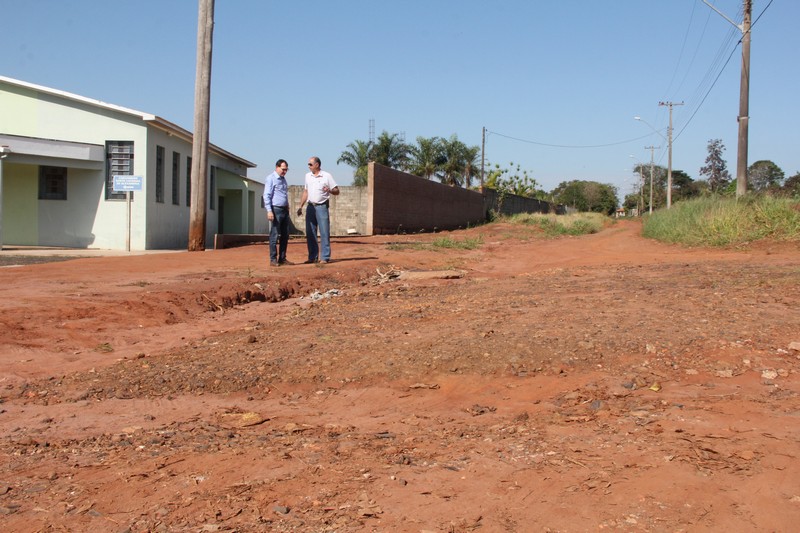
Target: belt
323	203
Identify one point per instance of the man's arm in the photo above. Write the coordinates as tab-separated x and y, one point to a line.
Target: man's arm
303	199
269	190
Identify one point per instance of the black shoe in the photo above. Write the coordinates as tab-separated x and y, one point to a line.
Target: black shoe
285	262
310	261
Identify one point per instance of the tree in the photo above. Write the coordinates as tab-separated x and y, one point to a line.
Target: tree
390	151
426	157
683	186
450	160
471	164
631	201
452	170
587	196
791	186
357	156
764	175
507	181
715	168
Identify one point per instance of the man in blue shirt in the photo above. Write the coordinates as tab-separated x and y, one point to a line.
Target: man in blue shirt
276	202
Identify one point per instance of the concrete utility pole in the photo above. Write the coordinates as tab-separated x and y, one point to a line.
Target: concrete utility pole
652	150
744	94
202	101
669	144
637	167
483	152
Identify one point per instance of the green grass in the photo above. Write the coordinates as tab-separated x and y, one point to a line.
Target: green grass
558	225
717	221
467	243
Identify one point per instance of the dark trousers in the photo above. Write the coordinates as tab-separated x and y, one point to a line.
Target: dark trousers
279	234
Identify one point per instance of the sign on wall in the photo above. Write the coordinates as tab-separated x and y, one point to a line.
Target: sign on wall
127	183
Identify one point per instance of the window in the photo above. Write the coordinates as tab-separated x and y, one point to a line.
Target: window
188	181
160	174
176	159
119	162
212	188
52	183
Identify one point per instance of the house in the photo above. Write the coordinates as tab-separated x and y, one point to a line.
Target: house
61	152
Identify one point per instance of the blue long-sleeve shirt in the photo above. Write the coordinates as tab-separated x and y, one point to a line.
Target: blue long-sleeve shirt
276	192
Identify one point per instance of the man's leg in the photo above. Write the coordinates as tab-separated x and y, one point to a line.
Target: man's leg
273	239
324	222
282	218
311	232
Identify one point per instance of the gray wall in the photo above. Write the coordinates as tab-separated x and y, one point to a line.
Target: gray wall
348	211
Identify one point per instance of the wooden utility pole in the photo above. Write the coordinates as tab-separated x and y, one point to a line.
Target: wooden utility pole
202	104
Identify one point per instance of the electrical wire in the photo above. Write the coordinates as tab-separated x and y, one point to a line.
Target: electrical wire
720	73
617	143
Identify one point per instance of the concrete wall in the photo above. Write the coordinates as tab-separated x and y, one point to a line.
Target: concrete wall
400	202
348	211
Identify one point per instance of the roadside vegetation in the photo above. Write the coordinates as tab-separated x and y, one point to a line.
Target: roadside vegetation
559	225
725	221
446	242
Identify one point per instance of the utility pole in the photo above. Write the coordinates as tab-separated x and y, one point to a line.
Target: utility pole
202	101
641	190
652	150
669	144
744	95
483	152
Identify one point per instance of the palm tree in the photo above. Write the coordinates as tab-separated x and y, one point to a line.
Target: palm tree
471	165
460	161
390	151
426	156
357	156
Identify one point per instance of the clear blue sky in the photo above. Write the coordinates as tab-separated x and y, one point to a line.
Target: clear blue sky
302	78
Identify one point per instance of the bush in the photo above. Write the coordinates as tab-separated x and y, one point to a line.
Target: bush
718	221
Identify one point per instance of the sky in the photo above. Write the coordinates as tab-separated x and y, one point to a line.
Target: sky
556	84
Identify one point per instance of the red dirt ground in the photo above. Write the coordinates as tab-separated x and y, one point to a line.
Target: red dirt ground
603	382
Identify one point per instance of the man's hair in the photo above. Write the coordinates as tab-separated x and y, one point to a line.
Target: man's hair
279	162
315	158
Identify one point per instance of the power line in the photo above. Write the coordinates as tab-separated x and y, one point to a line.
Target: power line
697	108
569	145
706	95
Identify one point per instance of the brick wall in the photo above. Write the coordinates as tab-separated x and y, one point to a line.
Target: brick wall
511	204
400	202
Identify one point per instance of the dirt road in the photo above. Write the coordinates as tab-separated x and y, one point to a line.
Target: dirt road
603	382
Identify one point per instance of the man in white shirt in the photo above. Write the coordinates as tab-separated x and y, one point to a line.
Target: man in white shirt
318	190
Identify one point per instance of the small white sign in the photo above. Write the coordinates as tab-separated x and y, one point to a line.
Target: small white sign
127	183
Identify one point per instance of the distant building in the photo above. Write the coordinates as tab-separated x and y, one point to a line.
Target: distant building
57	179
